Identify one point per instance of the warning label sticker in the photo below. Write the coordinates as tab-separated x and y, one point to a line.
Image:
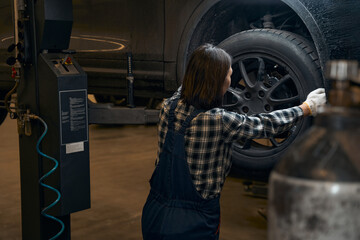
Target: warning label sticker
74	118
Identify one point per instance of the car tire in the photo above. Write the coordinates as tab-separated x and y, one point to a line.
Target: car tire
287	69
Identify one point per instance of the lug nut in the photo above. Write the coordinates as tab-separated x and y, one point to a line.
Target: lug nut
245	109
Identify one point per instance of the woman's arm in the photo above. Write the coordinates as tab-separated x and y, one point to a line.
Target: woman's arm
238	126
265	125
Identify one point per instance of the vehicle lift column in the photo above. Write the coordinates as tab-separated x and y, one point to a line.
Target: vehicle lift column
52	91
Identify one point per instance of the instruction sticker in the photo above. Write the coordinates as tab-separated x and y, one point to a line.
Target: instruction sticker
73	116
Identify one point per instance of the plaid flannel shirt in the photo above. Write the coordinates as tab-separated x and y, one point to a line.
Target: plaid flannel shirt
210	135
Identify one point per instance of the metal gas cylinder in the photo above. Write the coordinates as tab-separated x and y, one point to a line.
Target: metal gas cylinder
314	191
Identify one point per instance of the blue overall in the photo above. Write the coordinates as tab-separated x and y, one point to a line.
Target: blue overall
174	210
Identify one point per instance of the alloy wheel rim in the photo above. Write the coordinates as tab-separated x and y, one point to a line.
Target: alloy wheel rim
262	83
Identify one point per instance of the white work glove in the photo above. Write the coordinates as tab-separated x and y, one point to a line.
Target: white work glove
315	99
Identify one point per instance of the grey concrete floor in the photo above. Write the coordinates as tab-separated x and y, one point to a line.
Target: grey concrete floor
121	163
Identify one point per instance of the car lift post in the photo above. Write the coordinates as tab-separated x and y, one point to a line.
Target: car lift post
52	92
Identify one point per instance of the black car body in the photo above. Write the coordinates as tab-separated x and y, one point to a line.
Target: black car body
280	49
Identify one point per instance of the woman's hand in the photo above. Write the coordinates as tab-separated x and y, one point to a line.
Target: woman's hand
314	100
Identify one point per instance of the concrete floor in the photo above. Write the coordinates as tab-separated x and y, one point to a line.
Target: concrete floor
121	163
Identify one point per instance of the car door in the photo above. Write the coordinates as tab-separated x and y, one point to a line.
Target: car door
105	30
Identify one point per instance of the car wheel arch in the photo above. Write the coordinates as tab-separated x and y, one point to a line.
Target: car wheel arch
189	42
313	28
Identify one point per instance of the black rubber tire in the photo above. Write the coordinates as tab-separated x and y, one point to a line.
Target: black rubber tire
298	56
